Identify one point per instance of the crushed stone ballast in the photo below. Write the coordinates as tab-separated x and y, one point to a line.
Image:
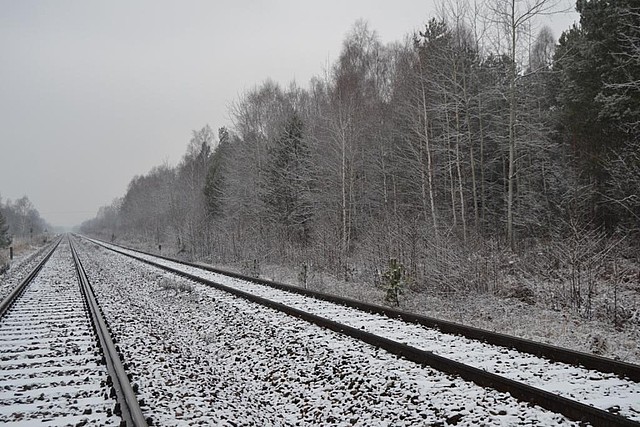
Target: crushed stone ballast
608	393
202	356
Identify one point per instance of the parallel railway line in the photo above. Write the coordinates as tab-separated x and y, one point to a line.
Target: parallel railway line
202	356
580	386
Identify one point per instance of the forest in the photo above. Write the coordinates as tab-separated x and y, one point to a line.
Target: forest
20	220
21	229
476	152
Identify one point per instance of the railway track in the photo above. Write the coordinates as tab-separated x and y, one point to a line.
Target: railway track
58	364
580	386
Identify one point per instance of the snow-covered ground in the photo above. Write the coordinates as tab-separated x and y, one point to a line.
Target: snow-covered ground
50	371
20	267
201	356
604	391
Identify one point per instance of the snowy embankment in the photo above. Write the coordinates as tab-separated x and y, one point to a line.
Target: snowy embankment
19	269
202	356
602	390
50	371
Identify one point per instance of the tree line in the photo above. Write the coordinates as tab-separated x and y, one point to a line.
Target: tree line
19	219
476	138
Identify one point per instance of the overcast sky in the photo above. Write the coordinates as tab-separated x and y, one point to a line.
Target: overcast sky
95	92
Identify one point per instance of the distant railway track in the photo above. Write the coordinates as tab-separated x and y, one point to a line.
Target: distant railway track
580	386
54	345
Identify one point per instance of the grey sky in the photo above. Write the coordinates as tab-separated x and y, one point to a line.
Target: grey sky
93	93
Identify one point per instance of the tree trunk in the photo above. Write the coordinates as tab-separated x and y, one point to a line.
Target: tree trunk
429	159
452	186
512	131
459	172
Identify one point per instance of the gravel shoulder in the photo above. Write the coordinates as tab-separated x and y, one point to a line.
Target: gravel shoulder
20	267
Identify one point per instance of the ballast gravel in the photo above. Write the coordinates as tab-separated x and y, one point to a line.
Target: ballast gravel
606	391
50	364
199	356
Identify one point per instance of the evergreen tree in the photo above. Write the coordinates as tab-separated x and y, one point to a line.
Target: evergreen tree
214	184
393	282
598	94
5	239
286	190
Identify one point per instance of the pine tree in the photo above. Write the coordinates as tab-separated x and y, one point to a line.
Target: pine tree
214	184
5	239
393	282
598	95
285	188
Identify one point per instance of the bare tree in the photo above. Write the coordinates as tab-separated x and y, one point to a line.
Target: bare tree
514	19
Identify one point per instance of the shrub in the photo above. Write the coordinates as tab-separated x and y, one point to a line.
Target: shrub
178	287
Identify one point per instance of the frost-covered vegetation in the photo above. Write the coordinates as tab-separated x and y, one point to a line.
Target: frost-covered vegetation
487	160
21	220
21	228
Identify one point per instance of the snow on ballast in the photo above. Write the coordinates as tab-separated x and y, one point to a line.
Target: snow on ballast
601	390
20	268
203	356
50	364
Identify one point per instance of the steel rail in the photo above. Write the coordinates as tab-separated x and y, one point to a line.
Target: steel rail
8	301
570	408
547	351
129	406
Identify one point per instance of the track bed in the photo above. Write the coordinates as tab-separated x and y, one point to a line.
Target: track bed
51	369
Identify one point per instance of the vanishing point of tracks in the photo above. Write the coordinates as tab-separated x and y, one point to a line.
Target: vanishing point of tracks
58	364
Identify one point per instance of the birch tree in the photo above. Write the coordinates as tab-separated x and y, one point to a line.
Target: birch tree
514	18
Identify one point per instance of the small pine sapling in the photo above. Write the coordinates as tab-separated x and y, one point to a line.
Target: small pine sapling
393	282
251	268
